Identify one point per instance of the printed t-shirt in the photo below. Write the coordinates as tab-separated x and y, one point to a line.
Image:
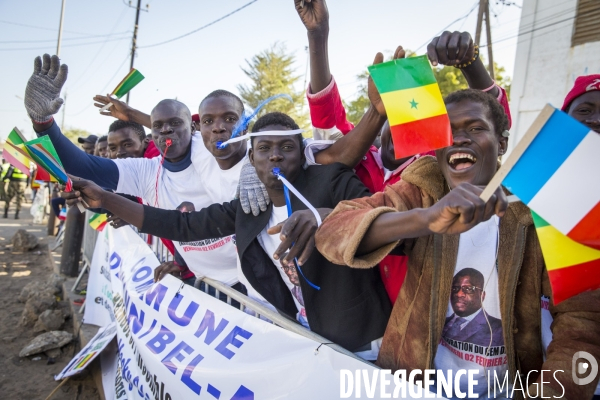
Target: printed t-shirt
202	183
472	336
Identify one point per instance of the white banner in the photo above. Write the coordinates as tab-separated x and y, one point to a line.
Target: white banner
98	304
176	342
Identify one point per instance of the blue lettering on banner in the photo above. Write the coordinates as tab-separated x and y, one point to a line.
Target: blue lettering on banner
216	393
142	274
190	311
186	377
149	330
159	293
231	339
176	353
208	325
136	322
159	342
243	393
115	261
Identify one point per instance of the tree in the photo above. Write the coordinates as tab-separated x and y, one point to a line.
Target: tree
73	133
271	73
449	78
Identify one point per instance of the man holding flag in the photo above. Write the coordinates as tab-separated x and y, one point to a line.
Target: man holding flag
437	218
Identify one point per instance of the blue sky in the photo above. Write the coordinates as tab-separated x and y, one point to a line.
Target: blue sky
191	67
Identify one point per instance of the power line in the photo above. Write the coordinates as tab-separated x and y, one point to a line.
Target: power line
100	49
70	45
534	30
449	25
54	40
201	28
111	80
44	28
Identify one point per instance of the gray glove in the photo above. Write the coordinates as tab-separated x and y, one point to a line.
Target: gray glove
43	88
252	193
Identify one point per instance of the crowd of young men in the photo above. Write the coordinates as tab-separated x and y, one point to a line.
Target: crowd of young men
452	270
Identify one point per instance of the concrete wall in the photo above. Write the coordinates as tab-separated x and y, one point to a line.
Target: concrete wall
545	64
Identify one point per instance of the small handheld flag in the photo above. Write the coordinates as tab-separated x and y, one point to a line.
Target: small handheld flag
129	82
14	151
414	105
98	221
552	170
20	153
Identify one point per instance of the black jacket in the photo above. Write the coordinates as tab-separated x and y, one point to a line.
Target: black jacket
352	307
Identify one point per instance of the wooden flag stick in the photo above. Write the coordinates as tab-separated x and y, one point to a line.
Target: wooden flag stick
517	152
106	107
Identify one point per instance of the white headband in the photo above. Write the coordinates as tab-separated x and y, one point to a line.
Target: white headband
263	133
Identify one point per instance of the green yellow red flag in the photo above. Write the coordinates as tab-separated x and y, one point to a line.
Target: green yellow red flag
129	82
572	267
414	105
98	221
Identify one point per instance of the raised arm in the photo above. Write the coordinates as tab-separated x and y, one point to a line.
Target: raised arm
458	50
122	111
42	101
215	221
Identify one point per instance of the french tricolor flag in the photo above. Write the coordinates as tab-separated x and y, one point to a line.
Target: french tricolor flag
558	176
555	169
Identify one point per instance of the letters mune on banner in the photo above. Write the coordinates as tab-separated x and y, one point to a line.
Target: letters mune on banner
176	342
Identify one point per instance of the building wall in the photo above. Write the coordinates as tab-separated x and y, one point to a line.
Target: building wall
545	64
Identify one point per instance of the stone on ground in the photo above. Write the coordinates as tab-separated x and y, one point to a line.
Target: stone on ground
24	241
46	341
49	320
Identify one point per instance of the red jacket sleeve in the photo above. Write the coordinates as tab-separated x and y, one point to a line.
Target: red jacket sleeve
327	110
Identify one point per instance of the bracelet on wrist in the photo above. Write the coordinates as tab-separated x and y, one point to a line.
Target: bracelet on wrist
471	61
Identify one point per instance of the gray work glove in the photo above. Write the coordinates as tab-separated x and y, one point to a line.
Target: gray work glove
43	88
252	193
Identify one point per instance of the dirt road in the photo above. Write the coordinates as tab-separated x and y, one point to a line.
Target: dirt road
30	377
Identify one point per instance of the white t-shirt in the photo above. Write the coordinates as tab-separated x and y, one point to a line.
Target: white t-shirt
270	243
467	341
202	183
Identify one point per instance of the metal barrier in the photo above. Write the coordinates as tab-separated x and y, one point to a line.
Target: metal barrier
246	303
258	309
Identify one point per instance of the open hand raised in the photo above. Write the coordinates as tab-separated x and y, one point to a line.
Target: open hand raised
43	88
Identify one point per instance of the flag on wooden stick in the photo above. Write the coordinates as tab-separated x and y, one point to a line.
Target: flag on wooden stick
414	105
554	170
129	82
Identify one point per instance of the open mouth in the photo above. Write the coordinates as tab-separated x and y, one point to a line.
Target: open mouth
461	161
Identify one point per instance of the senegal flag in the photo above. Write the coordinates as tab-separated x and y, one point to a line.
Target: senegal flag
98	221
129	82
414	105
572	267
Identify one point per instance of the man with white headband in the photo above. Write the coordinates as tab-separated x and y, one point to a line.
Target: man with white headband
347	306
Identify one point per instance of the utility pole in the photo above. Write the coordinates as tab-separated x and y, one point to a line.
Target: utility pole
60	26
134	41
484	12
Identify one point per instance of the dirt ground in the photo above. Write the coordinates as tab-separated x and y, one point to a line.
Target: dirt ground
31	377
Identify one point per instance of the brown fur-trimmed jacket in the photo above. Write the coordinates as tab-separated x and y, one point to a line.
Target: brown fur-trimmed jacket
415	326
